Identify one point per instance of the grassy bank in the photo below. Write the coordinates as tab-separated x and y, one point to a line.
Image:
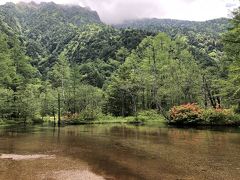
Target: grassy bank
2	122
184	115
144	117
7	122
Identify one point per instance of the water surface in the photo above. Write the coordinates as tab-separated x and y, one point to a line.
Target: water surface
118	152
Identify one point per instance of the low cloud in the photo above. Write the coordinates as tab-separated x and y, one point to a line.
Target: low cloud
230	5
116	11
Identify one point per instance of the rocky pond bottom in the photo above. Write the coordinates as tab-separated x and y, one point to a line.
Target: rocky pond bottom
118	152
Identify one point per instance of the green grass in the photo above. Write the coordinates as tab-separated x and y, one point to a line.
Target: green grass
4	122
7	122
144	117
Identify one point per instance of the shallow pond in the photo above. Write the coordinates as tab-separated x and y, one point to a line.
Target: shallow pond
118	152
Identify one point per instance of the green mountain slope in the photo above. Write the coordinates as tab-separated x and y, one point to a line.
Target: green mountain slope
56	58
47	29
44	28
214	27
203	37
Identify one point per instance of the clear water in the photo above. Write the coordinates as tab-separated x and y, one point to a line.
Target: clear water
118	152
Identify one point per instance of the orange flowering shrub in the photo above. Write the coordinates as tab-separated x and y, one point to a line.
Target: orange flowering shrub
186	114
193	114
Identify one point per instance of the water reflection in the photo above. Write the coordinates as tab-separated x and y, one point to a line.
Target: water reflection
126	152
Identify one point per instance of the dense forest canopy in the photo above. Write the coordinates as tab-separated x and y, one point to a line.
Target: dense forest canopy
58	59
204	37
213	27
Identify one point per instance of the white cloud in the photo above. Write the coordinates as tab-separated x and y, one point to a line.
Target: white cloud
115	11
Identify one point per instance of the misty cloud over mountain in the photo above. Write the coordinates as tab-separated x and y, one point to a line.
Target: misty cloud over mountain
117	11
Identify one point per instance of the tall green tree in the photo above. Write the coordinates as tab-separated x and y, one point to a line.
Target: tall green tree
159	74
59	76
232	49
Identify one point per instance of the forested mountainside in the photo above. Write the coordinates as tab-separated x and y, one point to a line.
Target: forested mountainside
172	26
63	58
44	28
47	29
203	37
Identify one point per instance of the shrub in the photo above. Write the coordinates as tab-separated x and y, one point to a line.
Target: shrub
186	114
89	114
147	116
37	120
150	115
193	114
236	109
219	116
1	122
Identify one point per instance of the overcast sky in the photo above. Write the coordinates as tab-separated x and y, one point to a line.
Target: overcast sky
116	11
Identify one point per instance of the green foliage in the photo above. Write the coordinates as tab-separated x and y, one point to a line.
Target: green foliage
63	60
87	98
6	102
160	73
231	42
203	37
18	82
148	117
60	72
218	116
89	114
94	73
46	28
48	100
215	26
49	30
7	72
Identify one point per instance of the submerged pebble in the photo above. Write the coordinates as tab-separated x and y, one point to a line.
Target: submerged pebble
26	157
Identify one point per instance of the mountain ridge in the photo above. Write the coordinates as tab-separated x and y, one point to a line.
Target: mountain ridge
48	29
218	25
80	8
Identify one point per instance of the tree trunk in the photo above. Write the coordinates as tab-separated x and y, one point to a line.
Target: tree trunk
162	111
123	106
59	109
74	95
209	94
54	116
155	77
143	99
135	106
218	102
238	108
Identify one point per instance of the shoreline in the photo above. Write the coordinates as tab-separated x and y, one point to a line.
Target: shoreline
148	123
